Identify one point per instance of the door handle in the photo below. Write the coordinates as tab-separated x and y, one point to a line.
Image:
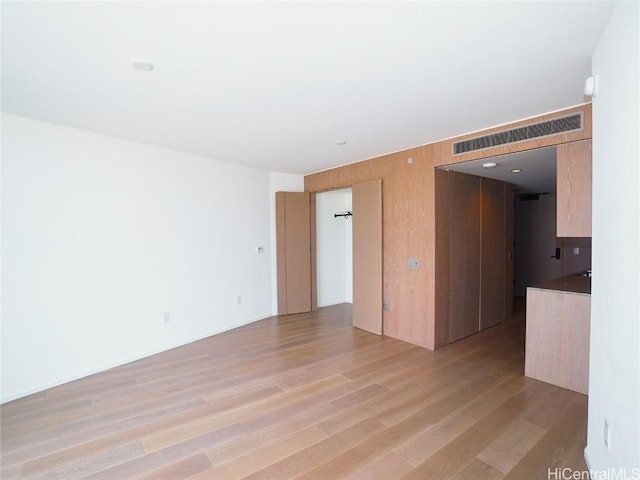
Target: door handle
558	253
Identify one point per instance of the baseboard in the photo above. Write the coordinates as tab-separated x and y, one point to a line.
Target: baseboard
586	460
86	373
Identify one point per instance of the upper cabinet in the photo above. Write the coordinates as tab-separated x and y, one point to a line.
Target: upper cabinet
574	189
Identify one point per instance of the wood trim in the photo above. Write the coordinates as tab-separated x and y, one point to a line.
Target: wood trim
444	149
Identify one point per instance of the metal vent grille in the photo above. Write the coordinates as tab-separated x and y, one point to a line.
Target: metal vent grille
551	127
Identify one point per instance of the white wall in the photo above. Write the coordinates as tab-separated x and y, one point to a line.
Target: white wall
614	376
102	236
334	248
279	182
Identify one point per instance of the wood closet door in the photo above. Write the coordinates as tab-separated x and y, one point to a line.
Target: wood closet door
464	286
293	239
367	255
493	253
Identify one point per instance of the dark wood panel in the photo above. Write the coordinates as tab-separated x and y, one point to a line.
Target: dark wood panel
509	235
493	253
464	282
443	257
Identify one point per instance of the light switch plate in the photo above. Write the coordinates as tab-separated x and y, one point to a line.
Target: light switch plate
414	264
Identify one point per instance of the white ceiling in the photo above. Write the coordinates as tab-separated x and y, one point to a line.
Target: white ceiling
275	84
538	167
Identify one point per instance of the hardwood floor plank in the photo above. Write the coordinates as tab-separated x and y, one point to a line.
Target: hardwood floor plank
478	470
180	470
258	459
555	447
294	466
507	450
387	467
175	453
303	396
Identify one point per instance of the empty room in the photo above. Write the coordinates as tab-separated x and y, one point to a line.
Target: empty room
317	239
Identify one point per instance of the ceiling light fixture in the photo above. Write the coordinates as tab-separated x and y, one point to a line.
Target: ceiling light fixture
516	170
340	142
142	65
489	165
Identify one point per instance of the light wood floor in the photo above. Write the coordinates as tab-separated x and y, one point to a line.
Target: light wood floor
303	396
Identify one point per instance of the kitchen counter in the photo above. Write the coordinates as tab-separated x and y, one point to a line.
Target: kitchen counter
557	339
570	284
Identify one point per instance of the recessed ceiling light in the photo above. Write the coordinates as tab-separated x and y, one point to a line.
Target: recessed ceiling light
516	170
341	142
139	64
489	165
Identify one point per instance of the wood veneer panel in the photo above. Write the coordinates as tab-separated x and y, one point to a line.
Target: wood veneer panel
408	232
444	149
293	237
443	257
574	189
493	253
464	288
557	343
367	255
509	241
281	252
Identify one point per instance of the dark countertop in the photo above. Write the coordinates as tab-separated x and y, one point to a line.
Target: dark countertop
571	284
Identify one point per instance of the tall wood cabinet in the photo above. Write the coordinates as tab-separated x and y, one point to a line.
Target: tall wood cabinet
474	236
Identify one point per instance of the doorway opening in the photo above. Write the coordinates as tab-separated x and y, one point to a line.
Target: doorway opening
334	247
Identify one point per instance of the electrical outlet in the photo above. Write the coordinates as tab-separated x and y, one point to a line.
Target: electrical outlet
260	249
607	435
166	318
385	306
576	250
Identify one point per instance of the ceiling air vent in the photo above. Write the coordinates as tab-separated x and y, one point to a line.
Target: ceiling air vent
537	130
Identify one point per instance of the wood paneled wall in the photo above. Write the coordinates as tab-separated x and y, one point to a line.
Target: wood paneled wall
408	232
443	150
409	221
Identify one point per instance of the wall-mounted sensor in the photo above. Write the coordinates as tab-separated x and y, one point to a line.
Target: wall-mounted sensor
591	87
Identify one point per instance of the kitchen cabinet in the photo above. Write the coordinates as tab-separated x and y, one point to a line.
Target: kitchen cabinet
574	189
557	338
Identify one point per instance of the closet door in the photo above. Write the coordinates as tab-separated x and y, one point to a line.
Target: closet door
464	286
493	253
293	239
367	255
